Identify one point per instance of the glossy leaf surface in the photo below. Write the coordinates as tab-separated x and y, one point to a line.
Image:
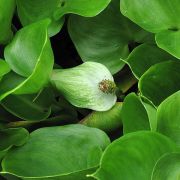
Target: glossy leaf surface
30	57
160	81
35	10
168	117
133	156
57	151
157	16
105	38
5	20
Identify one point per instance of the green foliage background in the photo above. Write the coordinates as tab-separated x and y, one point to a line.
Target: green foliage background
90	89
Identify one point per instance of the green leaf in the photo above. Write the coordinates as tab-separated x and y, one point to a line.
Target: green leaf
169	41
57	152
168	167
164	20
89	85
164	15
107	121
4	68
27	48
160	81
12	137
105	38
7	10
144	56
135	116
30	56
30	107
168	117
133	156
35	10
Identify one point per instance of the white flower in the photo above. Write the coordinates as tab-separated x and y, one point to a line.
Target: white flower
89	85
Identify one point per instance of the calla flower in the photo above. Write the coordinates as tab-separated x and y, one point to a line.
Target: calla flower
89	85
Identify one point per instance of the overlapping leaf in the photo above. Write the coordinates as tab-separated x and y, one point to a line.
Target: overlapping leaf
157	16
168	117
133	156
30	57
137	115
4	68
144	56
58	153
7	10
105	38
35	107
35	10
168	167
160	81
12	137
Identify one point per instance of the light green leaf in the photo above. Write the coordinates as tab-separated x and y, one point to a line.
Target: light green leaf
133	156
157	16
160	81
154	15
35	10
27	48
31	57
107	121
105	38
89	85
144	56
7	10
168	167
135	116
4	68
169	41
57	153
168	117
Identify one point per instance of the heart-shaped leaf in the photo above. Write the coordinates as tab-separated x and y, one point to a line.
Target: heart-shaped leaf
168	117
158	17
160	81
144	56
105	38
135	116
57	152
133	156
30	56
168	167
89	85
35	10
7	10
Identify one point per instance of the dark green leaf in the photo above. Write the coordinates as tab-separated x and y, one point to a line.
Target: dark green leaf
160	81
105	38
144	56
135	116
12	137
